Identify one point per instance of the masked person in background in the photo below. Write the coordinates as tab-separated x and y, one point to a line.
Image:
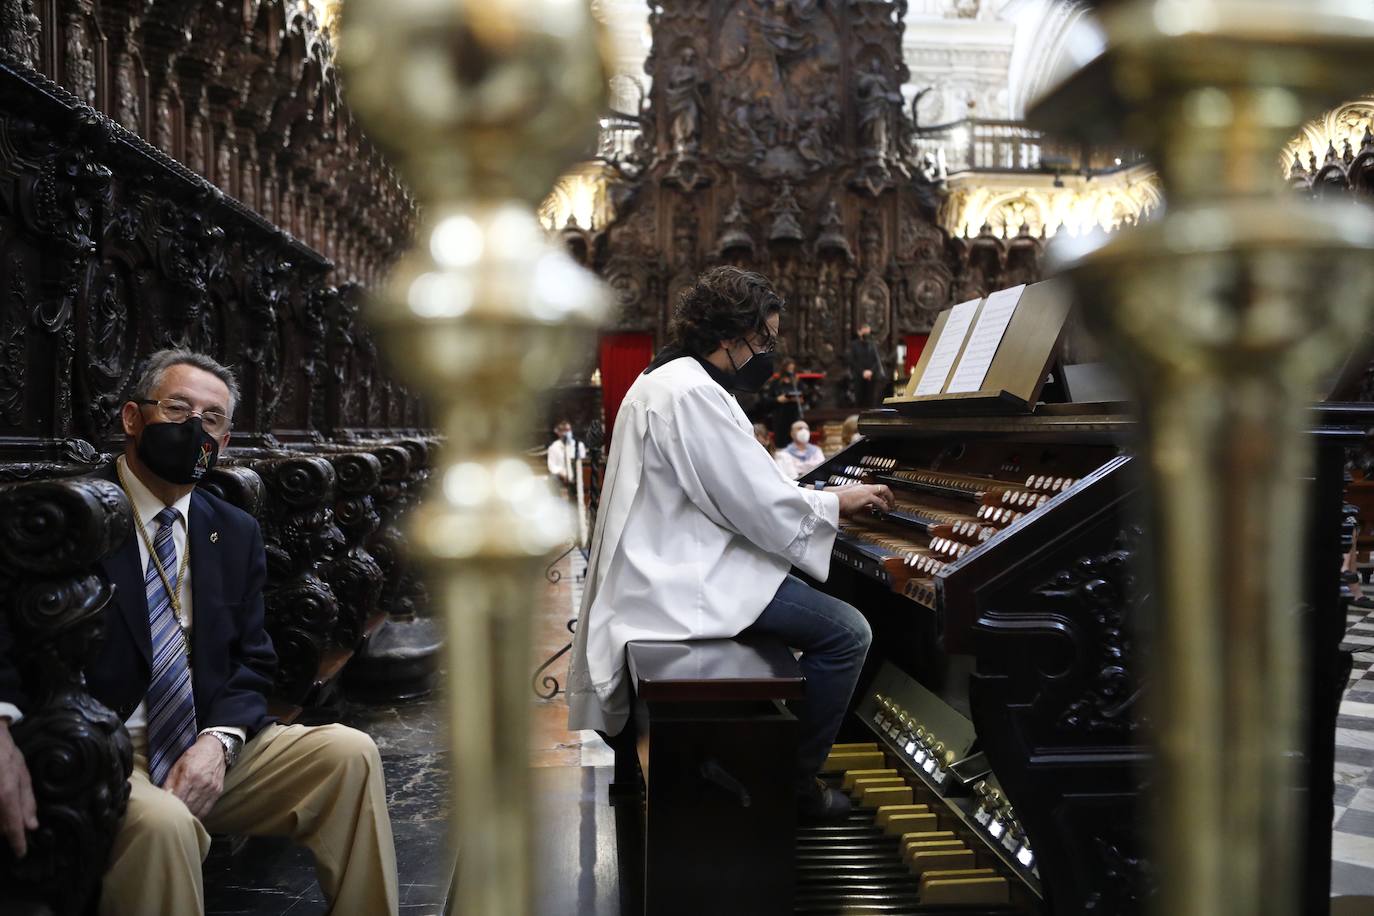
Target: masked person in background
784	399
186	663
563	454
801	456
866	372
699	528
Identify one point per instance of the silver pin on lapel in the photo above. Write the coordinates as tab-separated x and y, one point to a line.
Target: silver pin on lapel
214	537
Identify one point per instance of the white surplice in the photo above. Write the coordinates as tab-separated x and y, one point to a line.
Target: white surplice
697	529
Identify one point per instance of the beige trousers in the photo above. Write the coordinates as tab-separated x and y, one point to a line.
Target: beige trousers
322	786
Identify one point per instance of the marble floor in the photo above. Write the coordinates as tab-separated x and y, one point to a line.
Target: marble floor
552	743
270	877
267	877
1352	842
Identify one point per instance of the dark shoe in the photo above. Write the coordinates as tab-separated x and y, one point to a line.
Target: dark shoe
817	803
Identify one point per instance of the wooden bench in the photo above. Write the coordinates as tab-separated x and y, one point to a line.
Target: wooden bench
717	751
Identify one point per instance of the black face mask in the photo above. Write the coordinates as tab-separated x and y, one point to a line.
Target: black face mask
178	452
757	370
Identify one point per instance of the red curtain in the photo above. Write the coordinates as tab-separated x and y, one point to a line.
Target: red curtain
915	343
623	357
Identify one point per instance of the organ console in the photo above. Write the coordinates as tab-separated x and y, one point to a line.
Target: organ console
995	754
996	751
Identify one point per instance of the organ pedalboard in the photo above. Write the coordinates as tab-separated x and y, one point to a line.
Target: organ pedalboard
931	831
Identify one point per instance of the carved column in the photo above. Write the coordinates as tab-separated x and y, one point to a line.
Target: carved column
415	597
52	614
353	574
387	544
479	165
301	541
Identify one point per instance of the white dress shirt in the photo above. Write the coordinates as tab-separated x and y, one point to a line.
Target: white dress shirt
146	507
697	529
561	459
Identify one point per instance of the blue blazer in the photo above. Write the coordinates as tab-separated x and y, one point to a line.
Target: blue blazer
232	660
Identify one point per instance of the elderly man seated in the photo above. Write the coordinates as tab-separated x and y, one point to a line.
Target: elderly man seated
186	663
801	455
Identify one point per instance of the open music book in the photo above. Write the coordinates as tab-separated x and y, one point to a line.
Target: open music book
989	355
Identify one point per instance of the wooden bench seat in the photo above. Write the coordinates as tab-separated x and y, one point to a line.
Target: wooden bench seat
716	749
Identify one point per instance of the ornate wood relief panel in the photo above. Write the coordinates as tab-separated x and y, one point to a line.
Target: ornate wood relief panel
111	249
775	138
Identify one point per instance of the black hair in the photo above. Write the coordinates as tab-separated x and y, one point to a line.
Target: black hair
725	303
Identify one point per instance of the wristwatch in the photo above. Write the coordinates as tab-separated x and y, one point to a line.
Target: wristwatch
232	745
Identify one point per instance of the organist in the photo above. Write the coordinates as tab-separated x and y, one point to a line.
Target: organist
699	527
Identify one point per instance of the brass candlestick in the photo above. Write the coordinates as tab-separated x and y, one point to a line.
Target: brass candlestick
482	105
1225	314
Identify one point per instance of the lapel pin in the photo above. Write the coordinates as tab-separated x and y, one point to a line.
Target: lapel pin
214	537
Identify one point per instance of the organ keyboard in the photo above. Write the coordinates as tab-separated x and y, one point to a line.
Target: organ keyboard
996	748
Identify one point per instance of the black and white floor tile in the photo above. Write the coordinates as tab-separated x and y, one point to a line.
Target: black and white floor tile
1352	847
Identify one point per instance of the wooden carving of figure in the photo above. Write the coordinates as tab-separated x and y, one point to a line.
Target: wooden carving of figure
875	101
224	162
19	27
80	59
683	90
195	145
162	123
786	212
248	174
108	323
128	110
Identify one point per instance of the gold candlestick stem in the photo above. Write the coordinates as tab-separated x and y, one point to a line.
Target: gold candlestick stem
1225	315
482	105
1223	421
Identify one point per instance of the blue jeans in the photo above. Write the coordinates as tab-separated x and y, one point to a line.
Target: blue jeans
833	638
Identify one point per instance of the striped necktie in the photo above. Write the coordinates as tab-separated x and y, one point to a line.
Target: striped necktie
171	707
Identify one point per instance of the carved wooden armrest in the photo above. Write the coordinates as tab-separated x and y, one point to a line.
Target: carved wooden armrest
52	597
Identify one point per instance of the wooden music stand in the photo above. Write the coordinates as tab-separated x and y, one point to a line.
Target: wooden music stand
1025	352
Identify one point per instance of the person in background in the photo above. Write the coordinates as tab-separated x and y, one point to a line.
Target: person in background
564	453
849	431
207	756
762	435
801	456
866	371
783	396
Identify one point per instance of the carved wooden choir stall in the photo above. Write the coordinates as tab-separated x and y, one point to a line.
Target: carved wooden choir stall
185	174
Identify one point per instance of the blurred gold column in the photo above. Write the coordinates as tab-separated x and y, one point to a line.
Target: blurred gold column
482	104
1225	315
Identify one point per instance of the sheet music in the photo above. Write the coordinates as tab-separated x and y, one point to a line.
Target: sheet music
947	347
986	338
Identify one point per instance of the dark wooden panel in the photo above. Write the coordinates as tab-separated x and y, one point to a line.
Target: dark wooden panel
1037	633
775	138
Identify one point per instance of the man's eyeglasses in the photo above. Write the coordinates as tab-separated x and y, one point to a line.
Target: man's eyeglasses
174	410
